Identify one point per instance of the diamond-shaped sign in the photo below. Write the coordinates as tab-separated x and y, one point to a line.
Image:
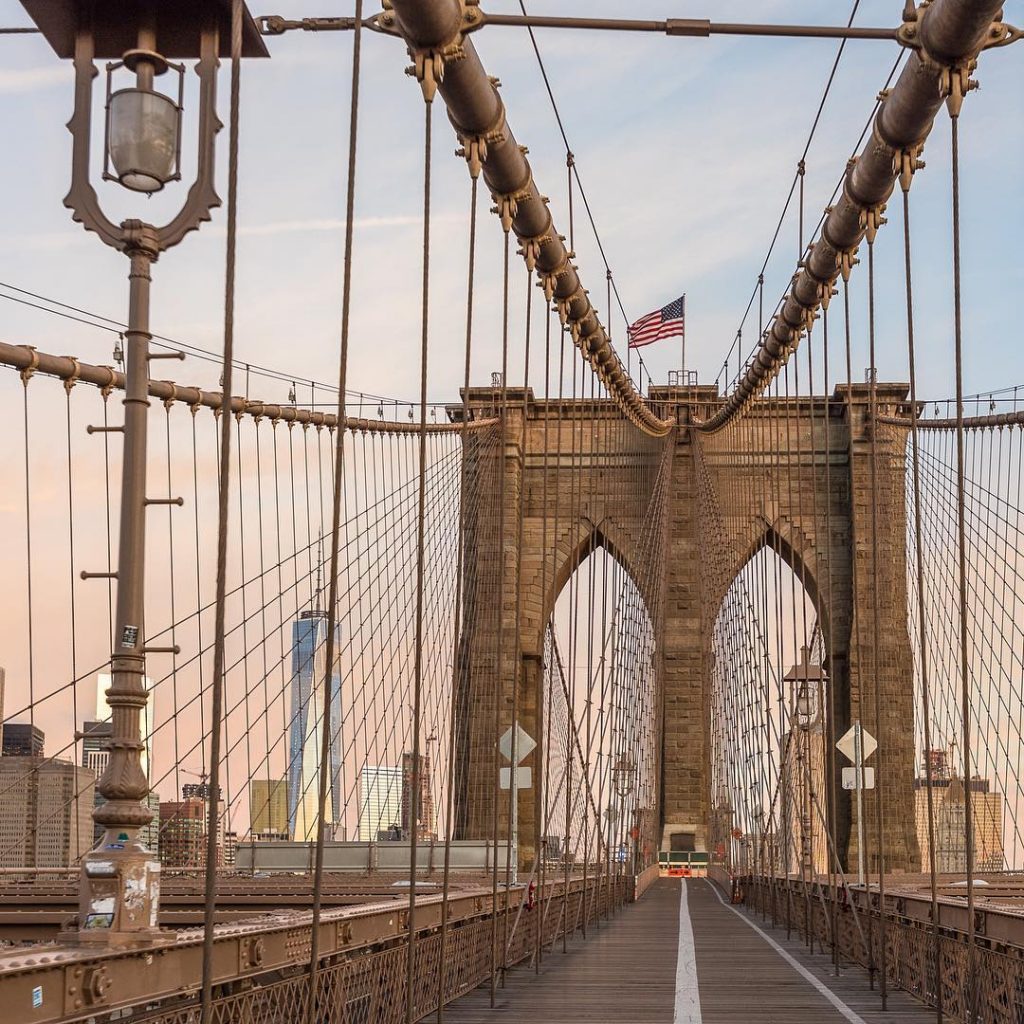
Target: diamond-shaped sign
524	743
847	744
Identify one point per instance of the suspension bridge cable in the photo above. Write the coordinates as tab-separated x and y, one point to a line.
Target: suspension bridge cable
105	323
797	180
575	171
759	285
206	1000
327	737
923	666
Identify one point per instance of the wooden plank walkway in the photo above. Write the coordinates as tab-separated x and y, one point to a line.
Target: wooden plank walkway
625	973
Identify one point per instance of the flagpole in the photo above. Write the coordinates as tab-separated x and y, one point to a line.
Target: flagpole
682	379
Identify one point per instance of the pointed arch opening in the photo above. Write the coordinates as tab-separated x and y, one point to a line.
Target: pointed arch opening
769	710
599	710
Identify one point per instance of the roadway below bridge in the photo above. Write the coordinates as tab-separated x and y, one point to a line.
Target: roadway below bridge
683	955
37	910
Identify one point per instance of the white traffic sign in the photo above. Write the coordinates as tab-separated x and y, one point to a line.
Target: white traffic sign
524	744
524	778
850	778
848	743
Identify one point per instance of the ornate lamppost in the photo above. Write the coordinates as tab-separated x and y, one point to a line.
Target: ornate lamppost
623	779
807	686
142	152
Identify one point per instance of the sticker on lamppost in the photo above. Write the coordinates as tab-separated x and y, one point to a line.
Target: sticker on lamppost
850	778
524	745
847	744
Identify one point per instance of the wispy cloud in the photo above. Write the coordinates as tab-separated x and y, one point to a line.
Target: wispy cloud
331	224
33	79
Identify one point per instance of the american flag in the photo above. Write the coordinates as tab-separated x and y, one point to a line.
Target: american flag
666	322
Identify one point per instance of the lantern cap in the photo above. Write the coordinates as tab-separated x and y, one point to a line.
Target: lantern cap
179	26
804	670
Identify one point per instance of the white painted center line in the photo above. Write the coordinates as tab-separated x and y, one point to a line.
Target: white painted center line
850	1015
687	1005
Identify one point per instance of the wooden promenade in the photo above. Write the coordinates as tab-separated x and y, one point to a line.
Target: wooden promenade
630	971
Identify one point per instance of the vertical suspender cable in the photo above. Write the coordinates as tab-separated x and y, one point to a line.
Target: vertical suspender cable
460	675
414	796
876	626
338	485
926	710
206	999
499	584
965	695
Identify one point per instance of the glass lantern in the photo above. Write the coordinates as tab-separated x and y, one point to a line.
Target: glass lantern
143	144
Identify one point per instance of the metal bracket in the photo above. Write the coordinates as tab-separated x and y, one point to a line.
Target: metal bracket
907	161
71	380
908	34
847	261
87	986
507	206
474	147
428	65
530	249
26	374
871	220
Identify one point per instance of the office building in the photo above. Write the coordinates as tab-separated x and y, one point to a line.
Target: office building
309	654
183	833
46	812
96	746
425	805
268	809
949	813
230	849
96	756
380	803
21	739
195	791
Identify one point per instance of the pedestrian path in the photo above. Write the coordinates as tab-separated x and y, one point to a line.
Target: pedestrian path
683	955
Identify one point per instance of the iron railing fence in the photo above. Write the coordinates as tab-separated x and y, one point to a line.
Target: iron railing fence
852	919
262	968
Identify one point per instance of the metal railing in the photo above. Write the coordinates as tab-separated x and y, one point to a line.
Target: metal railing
261	967
995	988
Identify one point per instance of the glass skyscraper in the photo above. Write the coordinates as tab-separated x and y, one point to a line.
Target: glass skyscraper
305	731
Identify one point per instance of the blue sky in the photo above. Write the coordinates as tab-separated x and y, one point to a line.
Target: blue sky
686	148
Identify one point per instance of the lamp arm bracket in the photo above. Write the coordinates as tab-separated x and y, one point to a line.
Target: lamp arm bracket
202	196
81	199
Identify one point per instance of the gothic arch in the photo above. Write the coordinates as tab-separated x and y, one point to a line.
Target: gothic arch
800	553
573	550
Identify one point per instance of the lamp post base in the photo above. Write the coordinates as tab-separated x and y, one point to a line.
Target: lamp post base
120	894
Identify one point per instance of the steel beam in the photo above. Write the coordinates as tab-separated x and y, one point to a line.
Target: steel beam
435	32
948	36
51	984
700	28
27	359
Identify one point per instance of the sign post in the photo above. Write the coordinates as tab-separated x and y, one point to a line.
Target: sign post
515	745
858	745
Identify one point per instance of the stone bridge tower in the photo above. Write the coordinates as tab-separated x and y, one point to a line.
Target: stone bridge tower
609	475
